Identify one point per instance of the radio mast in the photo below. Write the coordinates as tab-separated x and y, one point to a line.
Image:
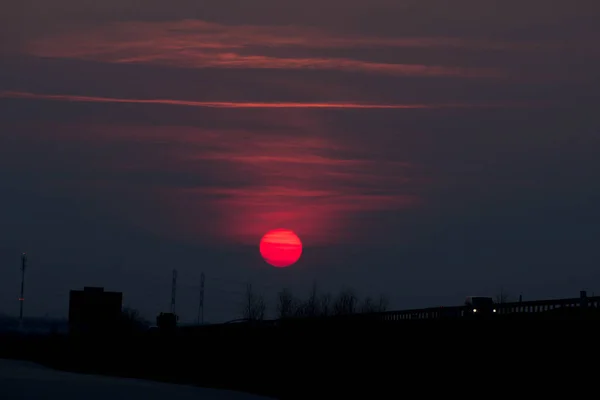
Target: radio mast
201	303
173	290
22	296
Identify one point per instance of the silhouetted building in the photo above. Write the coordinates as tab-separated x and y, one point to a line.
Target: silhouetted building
166	321
93	310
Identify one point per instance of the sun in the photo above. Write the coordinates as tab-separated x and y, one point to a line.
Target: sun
281	248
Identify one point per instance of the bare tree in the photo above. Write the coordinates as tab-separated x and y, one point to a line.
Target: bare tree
286	304
319	304
324	304
132	320
315	305
254	306
369	305
311	308
383	303
261	308
345	303
299	308
502	297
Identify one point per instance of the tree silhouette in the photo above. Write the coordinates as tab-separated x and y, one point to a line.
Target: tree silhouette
502	297
383	303
311	308
286	304
345	303
316	305
254	305
132	321
322	304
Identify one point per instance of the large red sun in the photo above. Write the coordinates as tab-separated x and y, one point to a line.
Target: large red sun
281	247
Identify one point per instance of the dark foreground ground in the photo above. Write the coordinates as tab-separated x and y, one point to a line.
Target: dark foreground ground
31	381
325	360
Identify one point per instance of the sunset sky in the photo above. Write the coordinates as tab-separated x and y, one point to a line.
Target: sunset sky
425	149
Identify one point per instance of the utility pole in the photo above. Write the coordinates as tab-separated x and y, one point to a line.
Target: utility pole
201	303
22	296
173	290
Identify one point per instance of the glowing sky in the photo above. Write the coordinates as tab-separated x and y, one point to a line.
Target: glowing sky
429	150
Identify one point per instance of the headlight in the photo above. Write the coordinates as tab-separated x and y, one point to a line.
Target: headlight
494	310
474	310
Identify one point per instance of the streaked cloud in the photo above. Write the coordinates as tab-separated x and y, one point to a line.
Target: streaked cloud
197	34
224	104
200	44
228	185
301	183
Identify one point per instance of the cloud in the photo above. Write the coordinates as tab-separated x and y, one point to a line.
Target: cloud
200	44
234	60
216	185
225	104
198	34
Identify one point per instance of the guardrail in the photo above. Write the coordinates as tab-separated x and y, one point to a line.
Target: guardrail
422	313
536	306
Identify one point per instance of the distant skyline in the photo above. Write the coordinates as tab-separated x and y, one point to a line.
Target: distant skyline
424	150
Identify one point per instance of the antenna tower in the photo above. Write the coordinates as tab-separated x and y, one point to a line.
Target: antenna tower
22	296
173	290
201	304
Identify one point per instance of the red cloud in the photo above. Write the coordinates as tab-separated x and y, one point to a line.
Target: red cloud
235	185
232	104
199	44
